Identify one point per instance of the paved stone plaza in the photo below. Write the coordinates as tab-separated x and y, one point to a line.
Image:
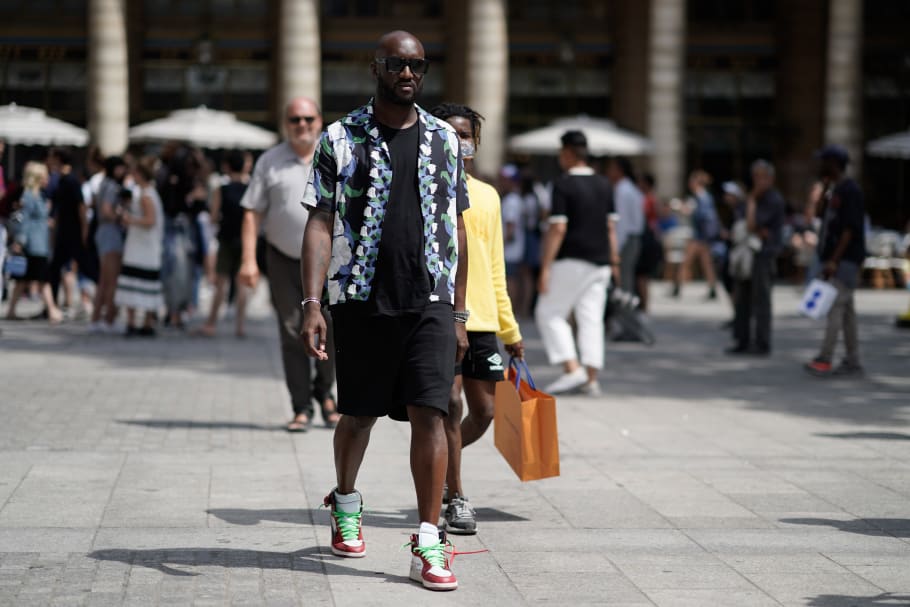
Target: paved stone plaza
156	472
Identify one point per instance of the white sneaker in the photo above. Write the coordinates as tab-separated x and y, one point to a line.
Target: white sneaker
98	328
591	388
568	382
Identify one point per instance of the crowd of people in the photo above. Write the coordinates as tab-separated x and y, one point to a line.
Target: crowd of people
378	229
132	233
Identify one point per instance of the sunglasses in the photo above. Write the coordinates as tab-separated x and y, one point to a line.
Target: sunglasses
396	65
298	119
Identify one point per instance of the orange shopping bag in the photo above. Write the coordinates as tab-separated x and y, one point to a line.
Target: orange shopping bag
524	428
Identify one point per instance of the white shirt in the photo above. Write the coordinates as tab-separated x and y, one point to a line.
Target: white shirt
275	191
629	203
513	213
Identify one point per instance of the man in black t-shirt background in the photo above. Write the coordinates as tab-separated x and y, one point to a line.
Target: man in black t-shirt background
578	250
841	250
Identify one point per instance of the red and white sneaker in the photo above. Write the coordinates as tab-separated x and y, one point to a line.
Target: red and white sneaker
430	565
347	530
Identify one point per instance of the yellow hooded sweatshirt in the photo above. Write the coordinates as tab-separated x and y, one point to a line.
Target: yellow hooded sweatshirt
487	298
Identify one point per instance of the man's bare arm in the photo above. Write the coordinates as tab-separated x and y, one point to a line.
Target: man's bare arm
315	255
316	252
552	241
249	232
461	288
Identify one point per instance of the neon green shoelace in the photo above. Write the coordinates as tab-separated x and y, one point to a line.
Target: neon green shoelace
348	523
435	555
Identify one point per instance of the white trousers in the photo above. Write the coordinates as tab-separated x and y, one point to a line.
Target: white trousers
577	287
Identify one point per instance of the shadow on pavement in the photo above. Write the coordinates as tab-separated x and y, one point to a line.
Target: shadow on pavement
198	425
180	561
689	363
866	435
223	354
391	519
886	599
896	527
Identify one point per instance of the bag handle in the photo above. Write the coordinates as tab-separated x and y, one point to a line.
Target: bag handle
520	365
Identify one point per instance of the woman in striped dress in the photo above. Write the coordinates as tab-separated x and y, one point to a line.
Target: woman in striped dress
139	283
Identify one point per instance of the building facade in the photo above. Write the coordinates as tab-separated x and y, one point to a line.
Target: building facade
715	83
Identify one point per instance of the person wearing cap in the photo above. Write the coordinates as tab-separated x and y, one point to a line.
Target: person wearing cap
578	249
765	210
841	251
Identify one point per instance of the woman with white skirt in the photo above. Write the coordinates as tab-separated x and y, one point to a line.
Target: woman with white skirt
139	283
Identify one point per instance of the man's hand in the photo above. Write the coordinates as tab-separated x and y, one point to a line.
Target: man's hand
461	338
543	281
516	350
314	331
829	270
248	275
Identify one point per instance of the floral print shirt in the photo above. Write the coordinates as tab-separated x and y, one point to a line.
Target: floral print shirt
352	178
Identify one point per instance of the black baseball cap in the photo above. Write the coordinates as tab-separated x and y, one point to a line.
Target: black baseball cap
835	152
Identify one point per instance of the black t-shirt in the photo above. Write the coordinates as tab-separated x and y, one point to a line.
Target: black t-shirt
586	201
844	210
67	203
402	281
231	212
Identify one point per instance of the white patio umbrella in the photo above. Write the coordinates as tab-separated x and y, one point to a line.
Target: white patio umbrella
891	146
604	138
20	125
205	128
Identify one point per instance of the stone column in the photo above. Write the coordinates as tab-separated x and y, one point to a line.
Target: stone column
487	77
666	69
299	53
843	84
108	90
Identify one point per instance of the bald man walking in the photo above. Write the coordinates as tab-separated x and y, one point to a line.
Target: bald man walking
272	203
385	228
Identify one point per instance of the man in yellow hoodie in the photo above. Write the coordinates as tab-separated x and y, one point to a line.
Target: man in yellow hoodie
491	317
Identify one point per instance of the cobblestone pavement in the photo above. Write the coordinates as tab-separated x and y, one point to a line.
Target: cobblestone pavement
156	472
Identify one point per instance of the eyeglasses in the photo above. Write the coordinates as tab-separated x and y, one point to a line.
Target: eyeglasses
396	65
297	119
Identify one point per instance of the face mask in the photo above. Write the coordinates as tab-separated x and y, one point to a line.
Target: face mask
467	149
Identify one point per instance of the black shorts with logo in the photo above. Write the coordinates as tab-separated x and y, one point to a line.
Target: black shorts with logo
385	363
482	360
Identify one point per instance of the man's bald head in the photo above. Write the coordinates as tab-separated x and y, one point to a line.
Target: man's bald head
301	104
399	44
303	122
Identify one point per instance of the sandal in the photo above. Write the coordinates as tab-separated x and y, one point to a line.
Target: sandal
298	425
330	414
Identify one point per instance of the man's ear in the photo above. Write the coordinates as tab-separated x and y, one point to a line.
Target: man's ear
373	69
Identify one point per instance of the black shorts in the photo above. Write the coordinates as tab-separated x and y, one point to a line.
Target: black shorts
482	360
36	268
385	363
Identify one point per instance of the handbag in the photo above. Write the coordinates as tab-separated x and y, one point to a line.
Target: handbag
15	266
818	299
524	425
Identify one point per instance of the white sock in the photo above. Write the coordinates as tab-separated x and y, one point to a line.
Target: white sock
428	534
348	502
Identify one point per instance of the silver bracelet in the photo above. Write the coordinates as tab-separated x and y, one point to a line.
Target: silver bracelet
310	300
461	316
